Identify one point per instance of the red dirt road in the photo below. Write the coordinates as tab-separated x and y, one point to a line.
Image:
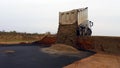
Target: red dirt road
97	61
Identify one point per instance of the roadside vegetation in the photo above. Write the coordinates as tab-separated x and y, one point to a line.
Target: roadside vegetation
14	36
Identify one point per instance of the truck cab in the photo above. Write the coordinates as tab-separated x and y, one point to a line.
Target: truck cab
84	25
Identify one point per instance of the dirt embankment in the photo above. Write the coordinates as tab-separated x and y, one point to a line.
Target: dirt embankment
95	43
100	44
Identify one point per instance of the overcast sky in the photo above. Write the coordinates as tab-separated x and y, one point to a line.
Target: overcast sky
42	15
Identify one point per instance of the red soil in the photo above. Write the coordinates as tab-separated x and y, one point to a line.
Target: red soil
94	43
48	40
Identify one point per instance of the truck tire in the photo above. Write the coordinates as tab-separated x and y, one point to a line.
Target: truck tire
89	32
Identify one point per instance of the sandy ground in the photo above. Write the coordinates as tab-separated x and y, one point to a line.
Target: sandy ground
97	61
10	42
25	42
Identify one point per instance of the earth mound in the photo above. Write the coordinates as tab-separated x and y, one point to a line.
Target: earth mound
60	49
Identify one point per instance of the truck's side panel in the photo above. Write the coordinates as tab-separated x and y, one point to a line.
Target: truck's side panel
82	15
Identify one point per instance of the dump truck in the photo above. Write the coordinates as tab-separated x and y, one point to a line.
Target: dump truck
79	16
72	24
84	25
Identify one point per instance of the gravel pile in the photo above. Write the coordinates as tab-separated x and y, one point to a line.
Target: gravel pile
60	49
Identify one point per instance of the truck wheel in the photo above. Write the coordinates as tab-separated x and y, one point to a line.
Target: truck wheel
89	32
